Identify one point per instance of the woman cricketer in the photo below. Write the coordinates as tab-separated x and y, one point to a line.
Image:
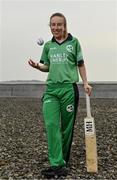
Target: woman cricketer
62	58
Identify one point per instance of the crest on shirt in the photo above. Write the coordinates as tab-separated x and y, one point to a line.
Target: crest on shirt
70	108
69	48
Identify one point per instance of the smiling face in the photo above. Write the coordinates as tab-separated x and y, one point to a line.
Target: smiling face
58	27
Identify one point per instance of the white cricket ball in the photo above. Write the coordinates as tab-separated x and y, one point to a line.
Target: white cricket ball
40	41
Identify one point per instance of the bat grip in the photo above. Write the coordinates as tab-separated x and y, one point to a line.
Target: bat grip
88	106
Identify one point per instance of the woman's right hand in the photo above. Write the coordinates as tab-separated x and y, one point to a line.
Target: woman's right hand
39	66
33	64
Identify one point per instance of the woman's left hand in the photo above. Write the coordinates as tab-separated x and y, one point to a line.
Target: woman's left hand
88	89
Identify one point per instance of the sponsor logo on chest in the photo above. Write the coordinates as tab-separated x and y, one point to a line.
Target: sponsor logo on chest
59	58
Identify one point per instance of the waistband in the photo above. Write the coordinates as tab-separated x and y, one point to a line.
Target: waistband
61	85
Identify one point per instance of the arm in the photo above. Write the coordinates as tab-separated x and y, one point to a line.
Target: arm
82	71
39	66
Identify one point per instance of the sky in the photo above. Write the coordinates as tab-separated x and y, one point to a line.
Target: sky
22	22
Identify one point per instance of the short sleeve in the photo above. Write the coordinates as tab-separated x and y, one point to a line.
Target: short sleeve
80	59
44	56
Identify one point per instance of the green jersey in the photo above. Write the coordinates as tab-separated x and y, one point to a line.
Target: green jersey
62	59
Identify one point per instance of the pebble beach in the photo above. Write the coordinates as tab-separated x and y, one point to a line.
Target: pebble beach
23	145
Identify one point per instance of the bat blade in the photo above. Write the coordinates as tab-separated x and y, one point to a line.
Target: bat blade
91	147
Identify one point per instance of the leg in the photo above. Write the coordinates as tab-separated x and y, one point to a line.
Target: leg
69	105
51	112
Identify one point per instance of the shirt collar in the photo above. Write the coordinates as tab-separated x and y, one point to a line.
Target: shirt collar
69	38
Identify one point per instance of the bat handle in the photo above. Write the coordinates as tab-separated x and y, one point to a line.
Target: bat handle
88	106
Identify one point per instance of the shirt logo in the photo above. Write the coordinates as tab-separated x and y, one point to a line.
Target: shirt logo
58	58
70	108
69	48
52	48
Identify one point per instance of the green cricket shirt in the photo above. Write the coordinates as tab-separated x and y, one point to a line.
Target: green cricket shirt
62	59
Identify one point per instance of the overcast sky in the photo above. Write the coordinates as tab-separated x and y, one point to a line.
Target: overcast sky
24	21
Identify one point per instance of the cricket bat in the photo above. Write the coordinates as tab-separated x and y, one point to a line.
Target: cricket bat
90	140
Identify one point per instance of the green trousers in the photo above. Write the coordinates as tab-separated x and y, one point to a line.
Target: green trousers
60	103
